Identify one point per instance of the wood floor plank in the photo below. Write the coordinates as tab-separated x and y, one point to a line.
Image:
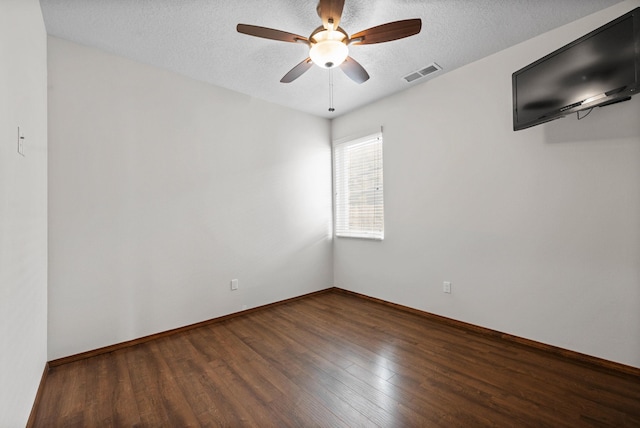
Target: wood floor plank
333	372
307	377
221	377
306	408
192	376
334	360
383	349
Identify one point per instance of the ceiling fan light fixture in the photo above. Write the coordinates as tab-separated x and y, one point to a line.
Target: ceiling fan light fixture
329	43
329	49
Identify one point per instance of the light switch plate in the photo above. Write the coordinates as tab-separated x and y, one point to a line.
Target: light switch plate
20	142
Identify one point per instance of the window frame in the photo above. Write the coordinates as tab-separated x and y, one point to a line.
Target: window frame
341	198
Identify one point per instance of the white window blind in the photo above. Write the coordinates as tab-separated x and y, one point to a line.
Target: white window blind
359	205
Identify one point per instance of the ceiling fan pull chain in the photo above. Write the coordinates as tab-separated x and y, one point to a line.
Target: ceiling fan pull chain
331	109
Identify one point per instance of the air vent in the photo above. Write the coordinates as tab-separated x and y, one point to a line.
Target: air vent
412	77
430	69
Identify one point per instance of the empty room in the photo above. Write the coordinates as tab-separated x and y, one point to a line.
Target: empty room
319	213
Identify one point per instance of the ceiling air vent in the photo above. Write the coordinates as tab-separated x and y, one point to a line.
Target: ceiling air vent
430	69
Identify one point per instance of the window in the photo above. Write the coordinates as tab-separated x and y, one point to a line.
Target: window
357	173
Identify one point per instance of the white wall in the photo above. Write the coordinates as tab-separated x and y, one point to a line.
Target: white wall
538	230
23	208
163	189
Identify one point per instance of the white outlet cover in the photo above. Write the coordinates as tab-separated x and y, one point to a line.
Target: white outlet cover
446	287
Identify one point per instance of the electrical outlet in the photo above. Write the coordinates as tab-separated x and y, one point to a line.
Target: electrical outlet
446	287
234	284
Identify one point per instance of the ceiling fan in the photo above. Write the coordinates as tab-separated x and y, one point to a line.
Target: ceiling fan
329	43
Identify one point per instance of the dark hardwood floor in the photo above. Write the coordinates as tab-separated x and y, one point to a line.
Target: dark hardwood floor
334	360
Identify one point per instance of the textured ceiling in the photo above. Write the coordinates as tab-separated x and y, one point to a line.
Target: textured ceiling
197	38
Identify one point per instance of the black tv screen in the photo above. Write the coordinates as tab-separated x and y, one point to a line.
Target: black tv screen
600	68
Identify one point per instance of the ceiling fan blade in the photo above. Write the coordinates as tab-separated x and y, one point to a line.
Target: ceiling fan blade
270	33
330	9
354	70
297	71
387	32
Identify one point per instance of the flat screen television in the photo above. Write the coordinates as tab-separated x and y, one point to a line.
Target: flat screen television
598	69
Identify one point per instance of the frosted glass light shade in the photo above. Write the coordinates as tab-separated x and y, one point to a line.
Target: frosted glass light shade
329	51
